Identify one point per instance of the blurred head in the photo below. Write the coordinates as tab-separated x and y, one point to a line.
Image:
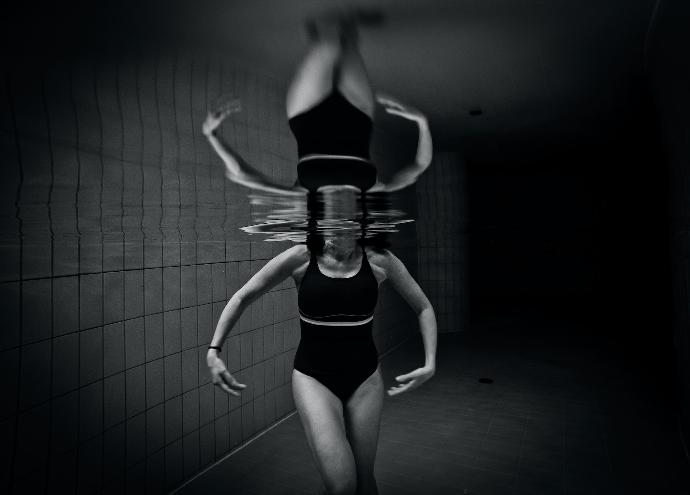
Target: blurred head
339	214
335	216
336	212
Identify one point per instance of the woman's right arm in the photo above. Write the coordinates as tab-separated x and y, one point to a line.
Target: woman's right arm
236	169
271	274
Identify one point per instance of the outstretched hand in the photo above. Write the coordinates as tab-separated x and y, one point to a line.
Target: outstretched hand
416	378
222	377
396	107
215	117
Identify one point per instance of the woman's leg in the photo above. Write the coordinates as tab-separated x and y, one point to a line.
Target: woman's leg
313	80
321	414
362	420
352	79
333	60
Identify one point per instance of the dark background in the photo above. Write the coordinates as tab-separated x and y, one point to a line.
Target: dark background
569	200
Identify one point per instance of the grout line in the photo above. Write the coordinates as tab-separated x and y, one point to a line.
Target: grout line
87	149
52	283
179	280
162	313
121	264
103	302
125	370
162	266
146	409
87	439
79	237
234	451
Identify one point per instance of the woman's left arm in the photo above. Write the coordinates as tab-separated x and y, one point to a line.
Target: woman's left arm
410	290
409	174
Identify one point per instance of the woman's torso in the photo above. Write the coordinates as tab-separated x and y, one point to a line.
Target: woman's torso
333	294
332	268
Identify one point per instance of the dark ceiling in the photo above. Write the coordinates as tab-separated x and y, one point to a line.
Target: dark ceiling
540	70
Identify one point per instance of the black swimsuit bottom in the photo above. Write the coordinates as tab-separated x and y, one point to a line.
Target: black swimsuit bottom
336	345
333	140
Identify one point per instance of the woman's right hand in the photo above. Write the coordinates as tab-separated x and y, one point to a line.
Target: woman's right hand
215	117
222	377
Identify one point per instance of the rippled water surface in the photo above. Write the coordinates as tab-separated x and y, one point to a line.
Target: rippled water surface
281	218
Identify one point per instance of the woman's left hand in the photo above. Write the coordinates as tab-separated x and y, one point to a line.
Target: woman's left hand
395	107
416	377
216	117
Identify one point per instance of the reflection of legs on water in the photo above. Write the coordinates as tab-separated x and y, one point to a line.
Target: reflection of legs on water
332	62
353	81
313	80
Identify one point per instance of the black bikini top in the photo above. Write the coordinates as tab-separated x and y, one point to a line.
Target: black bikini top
330	301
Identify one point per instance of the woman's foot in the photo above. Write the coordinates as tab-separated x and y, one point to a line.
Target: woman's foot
368	17
312	29
328	27
342	24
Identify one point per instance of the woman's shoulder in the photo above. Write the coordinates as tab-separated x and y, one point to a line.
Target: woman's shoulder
292	258
298	258
378	252
297	252
380	257
387	263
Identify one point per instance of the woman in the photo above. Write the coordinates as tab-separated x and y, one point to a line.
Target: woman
336	381
330	109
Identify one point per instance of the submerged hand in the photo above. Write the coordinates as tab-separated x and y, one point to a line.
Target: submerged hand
215	117
222	377
395	107
416	377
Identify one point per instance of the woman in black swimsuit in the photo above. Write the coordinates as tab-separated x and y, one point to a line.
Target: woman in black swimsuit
336	381
330	109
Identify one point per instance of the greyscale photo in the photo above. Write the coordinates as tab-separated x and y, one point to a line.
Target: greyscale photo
345	248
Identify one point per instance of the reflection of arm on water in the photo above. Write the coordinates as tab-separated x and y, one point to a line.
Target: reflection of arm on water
237	169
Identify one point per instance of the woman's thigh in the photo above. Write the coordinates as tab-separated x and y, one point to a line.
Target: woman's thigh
354	82
321	414
313	79
362	416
